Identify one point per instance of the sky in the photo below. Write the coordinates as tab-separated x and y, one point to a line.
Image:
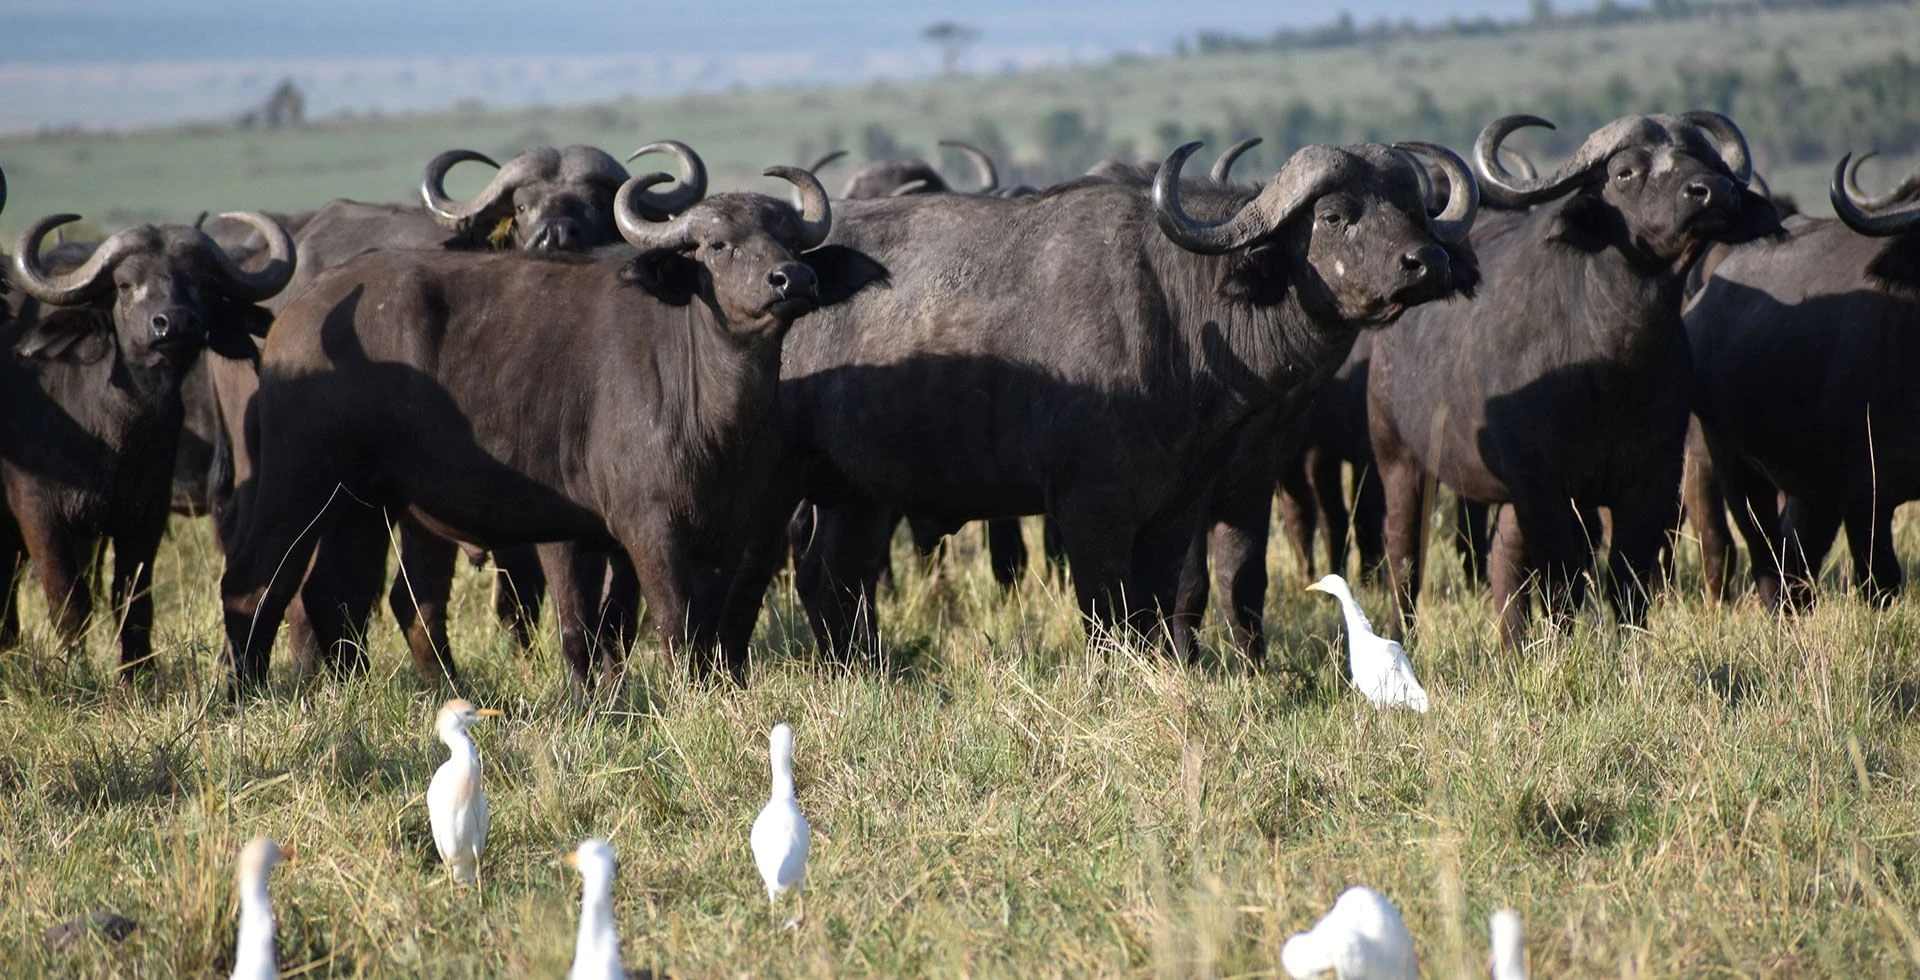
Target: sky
116	63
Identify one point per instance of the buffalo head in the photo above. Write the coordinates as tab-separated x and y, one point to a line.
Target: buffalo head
1659	187
156	294
554	199
899	178
1350	222
755	262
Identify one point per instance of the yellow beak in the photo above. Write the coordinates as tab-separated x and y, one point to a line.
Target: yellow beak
488	713
572	858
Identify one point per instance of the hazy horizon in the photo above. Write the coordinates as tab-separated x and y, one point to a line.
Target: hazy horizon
123	63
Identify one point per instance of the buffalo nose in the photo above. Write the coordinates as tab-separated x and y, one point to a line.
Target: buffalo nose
559	234
793	279
1699	192
166	325
1421	263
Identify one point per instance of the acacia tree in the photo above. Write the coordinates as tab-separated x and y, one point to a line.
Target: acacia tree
952	39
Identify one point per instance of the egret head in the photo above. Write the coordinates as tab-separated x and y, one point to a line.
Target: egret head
457	714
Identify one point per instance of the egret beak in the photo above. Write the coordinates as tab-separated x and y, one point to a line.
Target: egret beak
489	713
1315	587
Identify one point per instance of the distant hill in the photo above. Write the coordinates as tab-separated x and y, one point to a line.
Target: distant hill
1806	85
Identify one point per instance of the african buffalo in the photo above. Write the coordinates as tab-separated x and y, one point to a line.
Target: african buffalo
616	400
1087	353
101	339
1563	386
899	178
543	200
1802	351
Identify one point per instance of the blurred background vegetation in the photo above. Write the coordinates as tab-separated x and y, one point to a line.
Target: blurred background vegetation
1806	81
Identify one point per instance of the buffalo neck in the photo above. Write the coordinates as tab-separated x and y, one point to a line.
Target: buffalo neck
722	383
1232	356
1625	310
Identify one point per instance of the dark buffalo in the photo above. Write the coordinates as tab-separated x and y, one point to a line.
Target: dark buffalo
899	178
101	340
1804	352
1563	386
545	199
616	400
1087	353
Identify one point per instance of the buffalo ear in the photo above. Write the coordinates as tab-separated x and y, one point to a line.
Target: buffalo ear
1758	219
1253	278
842	272
1583	221
1898	265
234	327
1464	264
668	274
75	336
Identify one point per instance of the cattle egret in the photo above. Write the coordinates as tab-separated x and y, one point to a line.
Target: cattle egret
596	952
253	956
780	832
1380	667
1509	946
456	805
1362	938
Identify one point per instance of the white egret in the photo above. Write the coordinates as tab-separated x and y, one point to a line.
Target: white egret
1361	938
596	951
253	955
780	833
1380	666
1509	946
456	805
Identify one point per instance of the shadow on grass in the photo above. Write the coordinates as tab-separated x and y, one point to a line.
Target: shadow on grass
1565	823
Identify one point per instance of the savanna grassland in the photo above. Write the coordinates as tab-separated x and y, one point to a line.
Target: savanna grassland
1724	794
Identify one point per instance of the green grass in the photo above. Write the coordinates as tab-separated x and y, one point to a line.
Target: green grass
1722	795
173	173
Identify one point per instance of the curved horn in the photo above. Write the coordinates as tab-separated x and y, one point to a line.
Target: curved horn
67	288
816	214
3	190
827	159
269	281
1733	143
909	188
983	168
1759	186
1909	188
1522	164
457	216
1862	217
1423	177
1463	192
693	178
635	220
1224	166
1297	182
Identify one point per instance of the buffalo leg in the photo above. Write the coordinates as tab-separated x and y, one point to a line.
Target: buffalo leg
1633	559
1472	535
575	574
1007	551
1876	568
264	566
1404	487
1300	513
61	555
1706	509
839	578
519	585
422	588
1754	503
1369	522
1508	575
133	596
12	553
349	566
1239	545
1099	543
1559	549
1336	520
1163	551
1054	542
769	545
1809	528
619	620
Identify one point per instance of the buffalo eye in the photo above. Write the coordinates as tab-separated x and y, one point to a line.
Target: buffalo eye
125	287
1330	219
717	246
1626	174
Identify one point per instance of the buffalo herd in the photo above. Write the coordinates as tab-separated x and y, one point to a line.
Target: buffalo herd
645	400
